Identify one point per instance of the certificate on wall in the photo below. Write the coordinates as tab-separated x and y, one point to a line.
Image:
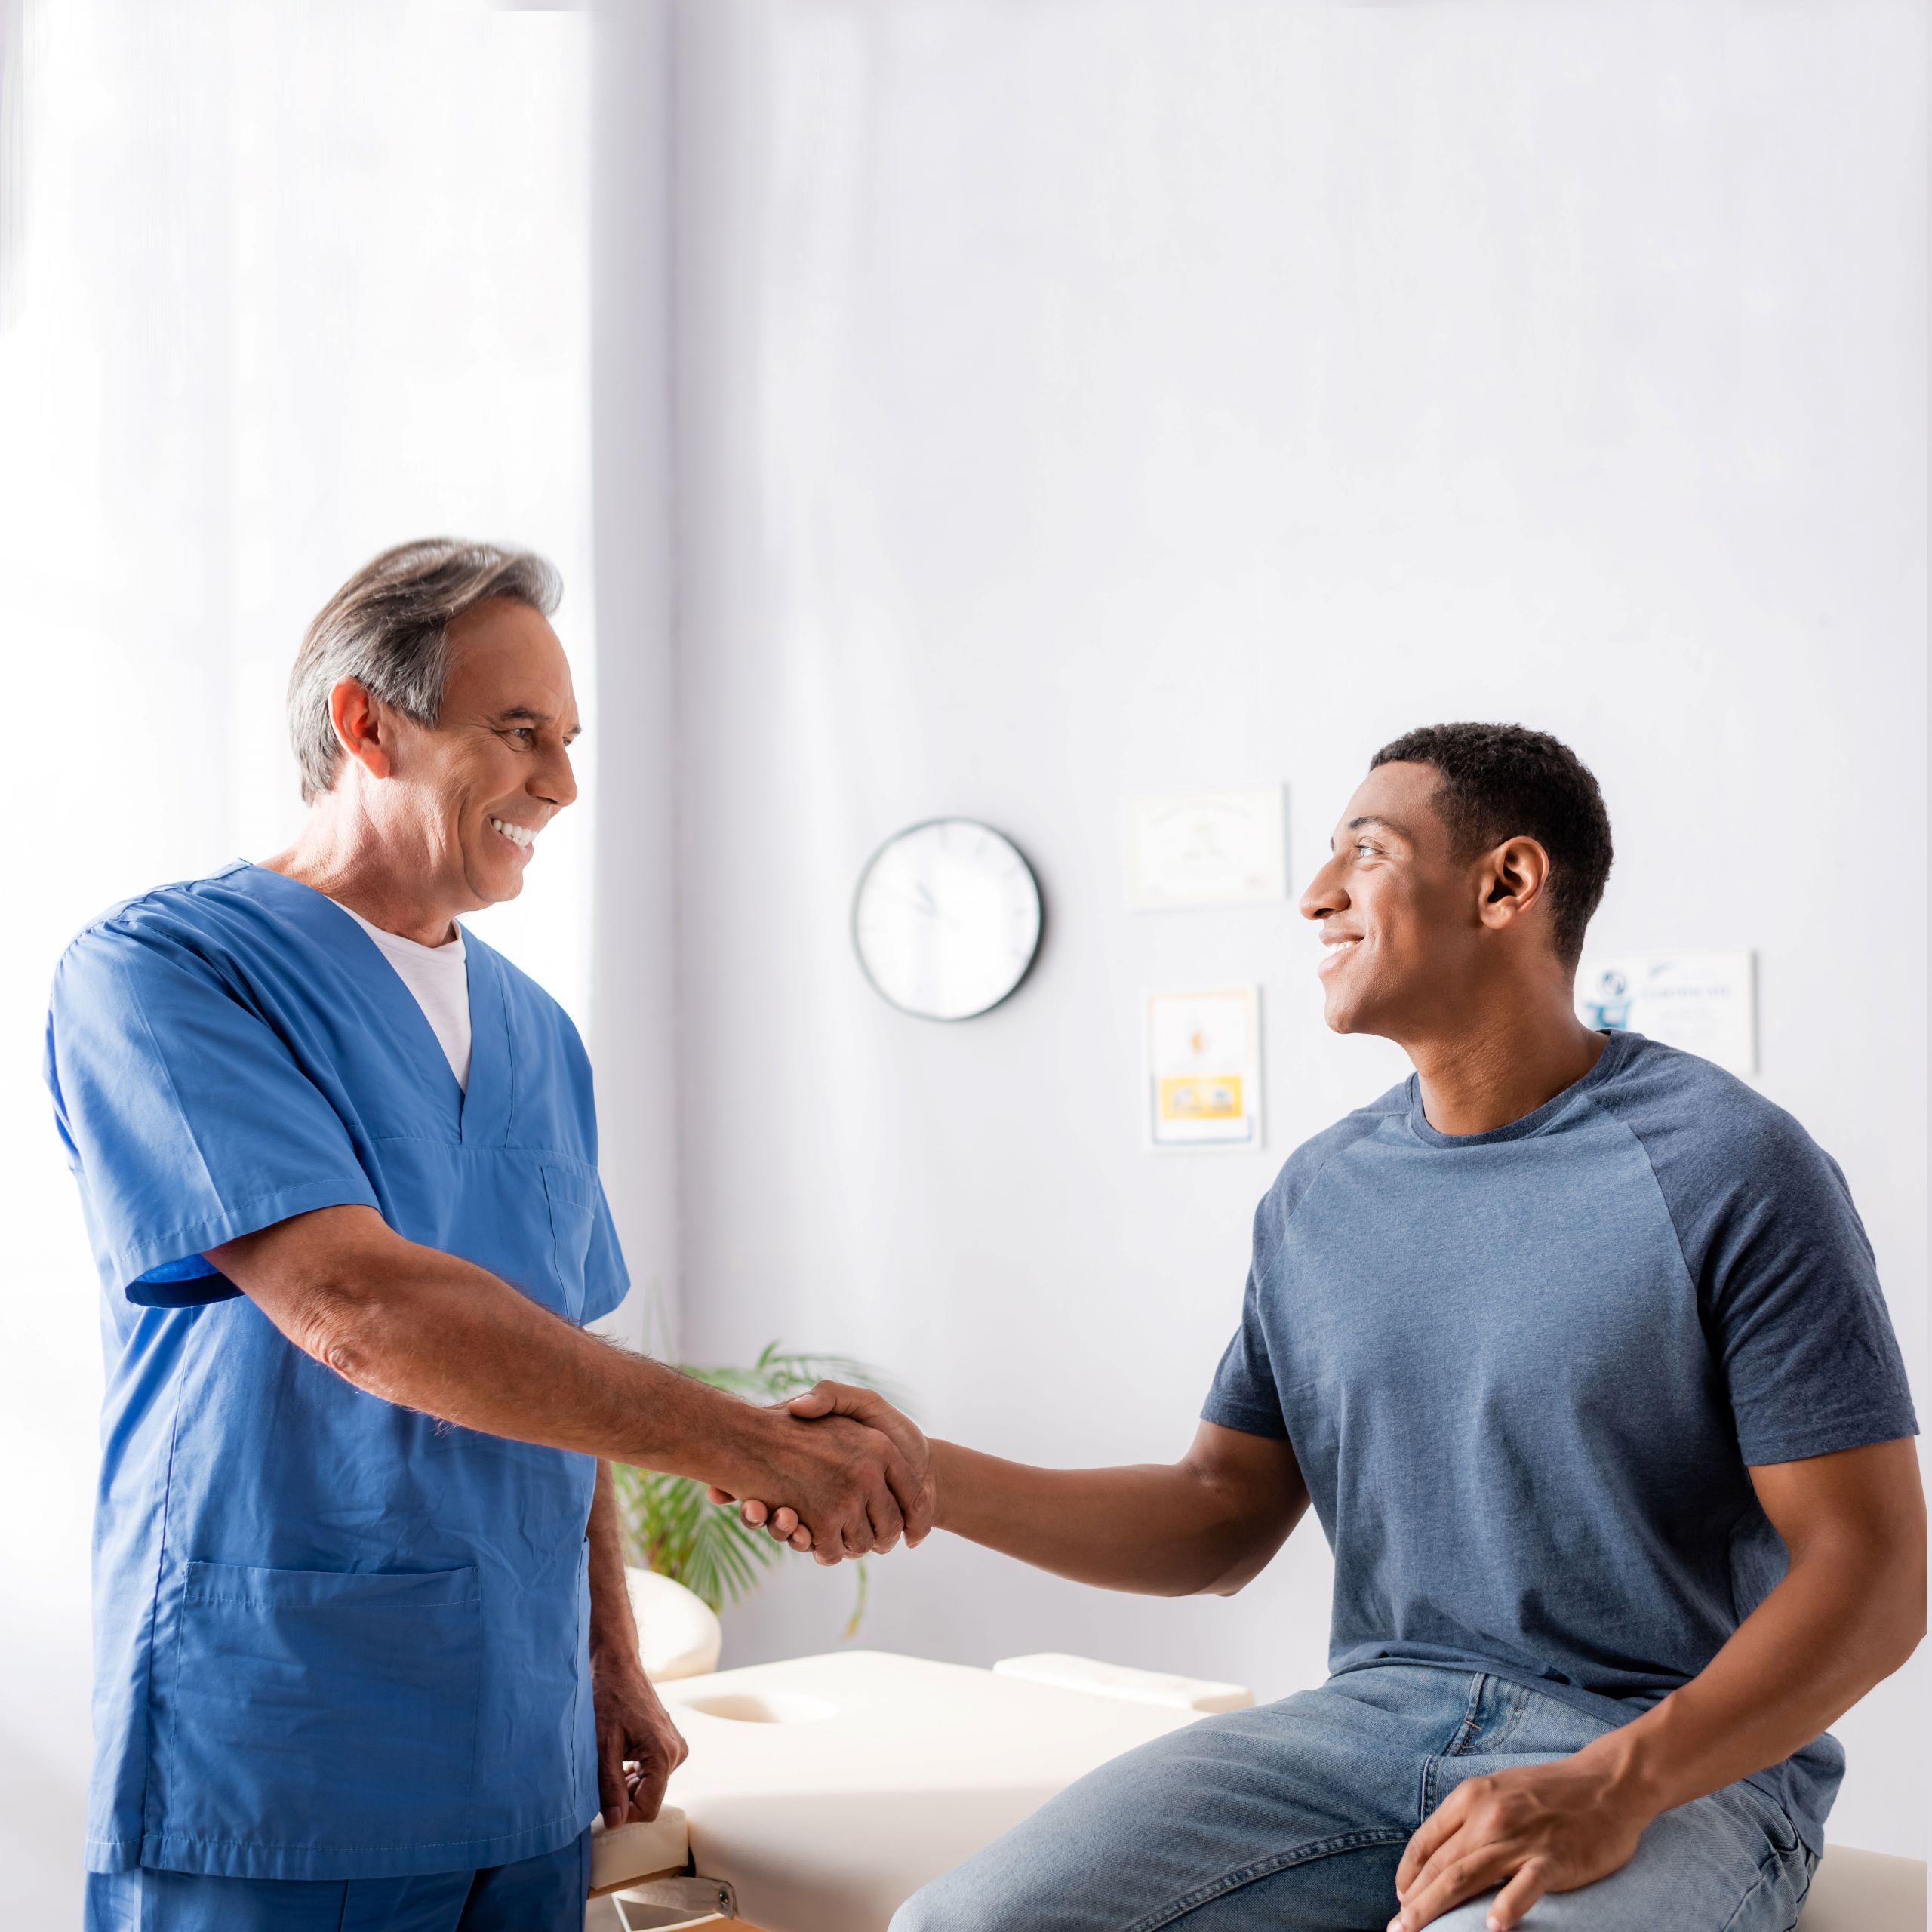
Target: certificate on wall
1202	1085
1207	848
1703	1002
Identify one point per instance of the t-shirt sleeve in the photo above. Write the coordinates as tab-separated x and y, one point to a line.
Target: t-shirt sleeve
1243	1395
186	1121
1790	1294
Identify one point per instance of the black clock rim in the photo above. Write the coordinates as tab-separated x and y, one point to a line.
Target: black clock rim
879	851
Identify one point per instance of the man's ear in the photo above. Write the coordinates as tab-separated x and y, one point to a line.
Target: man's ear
360	727
1512	880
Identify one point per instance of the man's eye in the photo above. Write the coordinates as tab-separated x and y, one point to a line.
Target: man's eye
1365	851
523	734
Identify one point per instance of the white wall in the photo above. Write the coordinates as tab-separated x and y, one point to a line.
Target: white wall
291	284
1076	399
633	987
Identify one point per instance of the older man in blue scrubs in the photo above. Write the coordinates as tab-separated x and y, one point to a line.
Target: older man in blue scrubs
363	1654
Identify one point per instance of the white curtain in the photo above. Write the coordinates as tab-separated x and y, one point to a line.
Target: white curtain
279	285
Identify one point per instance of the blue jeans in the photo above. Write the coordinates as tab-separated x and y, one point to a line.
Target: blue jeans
542	1894
1293	1817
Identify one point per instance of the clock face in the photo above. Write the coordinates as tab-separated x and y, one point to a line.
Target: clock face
947	918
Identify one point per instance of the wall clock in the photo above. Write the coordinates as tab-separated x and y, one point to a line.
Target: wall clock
947	918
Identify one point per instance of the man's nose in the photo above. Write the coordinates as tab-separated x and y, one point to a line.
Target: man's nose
556	783
1325	895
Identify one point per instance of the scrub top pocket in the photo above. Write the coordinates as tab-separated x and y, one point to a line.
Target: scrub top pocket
573	1200
316	1715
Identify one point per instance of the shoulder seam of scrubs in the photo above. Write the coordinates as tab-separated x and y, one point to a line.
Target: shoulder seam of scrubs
111	919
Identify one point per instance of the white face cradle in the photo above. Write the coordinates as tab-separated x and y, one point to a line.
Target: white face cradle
947	919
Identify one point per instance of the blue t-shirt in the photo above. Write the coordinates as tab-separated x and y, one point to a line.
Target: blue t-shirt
1524	1372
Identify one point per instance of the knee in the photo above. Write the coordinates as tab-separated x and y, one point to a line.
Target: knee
926	1911
913	1915
964	1900
920	1913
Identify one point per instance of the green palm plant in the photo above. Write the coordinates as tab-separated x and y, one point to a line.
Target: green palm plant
673	1526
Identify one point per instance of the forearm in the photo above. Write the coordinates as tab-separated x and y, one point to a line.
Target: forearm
1833	1628
614	1638
433	1333
454	1341
1160	1529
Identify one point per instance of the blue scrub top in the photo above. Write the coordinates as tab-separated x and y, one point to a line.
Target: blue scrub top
333	1639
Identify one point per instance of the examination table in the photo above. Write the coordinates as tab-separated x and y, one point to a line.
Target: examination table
822	1791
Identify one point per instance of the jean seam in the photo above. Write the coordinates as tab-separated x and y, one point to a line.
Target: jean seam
1266	1868
1512	1719
1468	1730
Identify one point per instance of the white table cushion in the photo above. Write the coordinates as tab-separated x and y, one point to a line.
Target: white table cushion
1201	1695
678	1634
637	1850
828	1789
1864	1891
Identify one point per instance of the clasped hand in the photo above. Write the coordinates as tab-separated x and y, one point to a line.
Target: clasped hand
857	1478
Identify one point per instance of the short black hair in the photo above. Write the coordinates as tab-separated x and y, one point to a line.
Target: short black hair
1505	781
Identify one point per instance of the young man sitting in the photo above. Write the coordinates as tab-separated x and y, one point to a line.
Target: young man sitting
1576	1343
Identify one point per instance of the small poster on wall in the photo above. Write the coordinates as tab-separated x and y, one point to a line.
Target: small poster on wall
1202	1085
1703	1002
1207	848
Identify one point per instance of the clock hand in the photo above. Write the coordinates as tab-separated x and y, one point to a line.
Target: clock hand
927	904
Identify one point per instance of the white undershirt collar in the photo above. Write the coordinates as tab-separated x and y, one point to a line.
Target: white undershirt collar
439	977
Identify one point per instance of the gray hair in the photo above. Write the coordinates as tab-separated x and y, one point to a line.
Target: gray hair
388	628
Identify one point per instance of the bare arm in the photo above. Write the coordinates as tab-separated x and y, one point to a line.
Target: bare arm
429	1331
1210	1522
638	1745
613	1640
1849	1610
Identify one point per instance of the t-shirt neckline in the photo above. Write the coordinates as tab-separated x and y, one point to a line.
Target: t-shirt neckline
451	950
1617	1046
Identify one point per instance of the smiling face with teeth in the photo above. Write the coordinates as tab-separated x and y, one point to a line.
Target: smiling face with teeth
425	822
495	768
1402	933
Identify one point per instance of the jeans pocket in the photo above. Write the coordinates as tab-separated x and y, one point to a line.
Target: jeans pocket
313	1712
1775	1823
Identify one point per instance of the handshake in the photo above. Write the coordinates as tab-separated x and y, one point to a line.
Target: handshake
847	1476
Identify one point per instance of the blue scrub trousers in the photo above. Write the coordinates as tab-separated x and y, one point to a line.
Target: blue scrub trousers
545	1894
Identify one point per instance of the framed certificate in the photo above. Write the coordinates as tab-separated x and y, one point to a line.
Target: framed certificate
1703	1002
1207	848
1202	1086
